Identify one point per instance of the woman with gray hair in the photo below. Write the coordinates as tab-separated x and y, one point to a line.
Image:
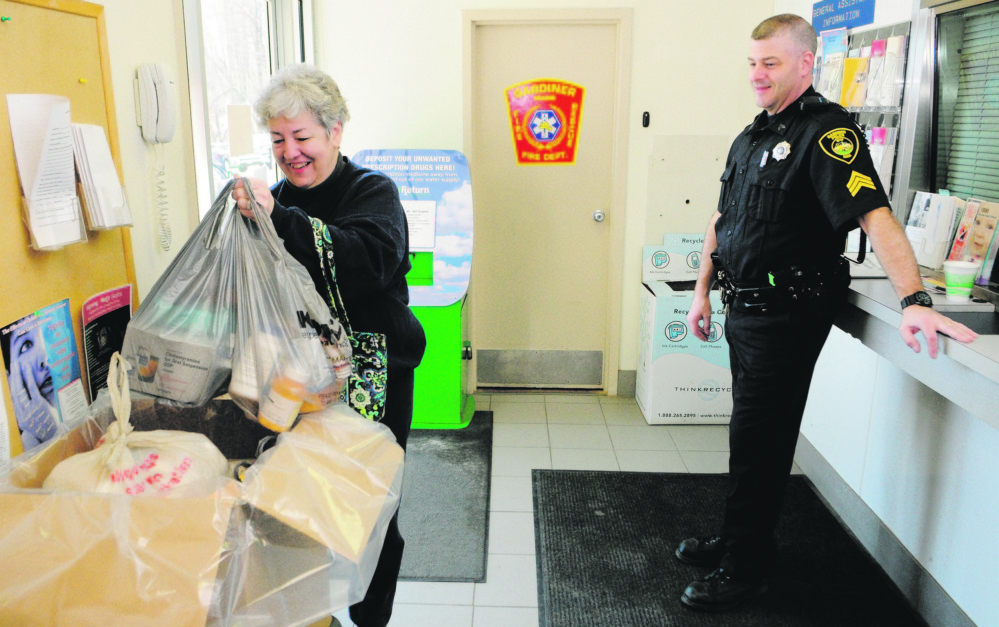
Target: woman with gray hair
328	209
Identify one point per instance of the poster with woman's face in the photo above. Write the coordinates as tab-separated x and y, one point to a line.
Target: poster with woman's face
43	372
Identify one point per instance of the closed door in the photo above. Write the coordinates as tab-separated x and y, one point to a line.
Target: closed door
541	274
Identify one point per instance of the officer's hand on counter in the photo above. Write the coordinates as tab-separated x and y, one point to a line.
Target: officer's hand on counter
699	316
917	318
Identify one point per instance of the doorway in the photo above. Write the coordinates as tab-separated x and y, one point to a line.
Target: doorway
544	297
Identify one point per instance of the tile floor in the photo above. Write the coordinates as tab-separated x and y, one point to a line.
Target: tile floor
564	431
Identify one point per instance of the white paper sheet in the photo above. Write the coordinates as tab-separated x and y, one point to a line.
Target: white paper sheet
106	203
43	147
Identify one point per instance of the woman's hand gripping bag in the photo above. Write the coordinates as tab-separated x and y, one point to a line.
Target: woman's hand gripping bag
155	463
181	337
291	355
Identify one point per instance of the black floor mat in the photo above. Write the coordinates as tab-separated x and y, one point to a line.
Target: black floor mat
605	543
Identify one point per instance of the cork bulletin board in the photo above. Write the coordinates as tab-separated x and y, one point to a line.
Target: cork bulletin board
56	47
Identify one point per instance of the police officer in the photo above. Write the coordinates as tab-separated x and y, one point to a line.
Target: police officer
796	181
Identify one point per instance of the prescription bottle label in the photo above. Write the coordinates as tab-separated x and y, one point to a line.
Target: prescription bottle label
279	408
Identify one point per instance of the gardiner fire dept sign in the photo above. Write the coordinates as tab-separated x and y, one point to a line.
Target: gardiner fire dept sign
544	118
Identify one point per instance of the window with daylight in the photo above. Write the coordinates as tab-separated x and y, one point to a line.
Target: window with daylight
967	102
233	48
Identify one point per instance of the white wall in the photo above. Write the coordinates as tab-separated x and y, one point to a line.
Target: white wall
399	65
151	31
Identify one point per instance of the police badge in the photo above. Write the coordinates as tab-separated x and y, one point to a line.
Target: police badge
781	151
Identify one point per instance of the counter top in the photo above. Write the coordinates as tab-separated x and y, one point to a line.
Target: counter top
966	374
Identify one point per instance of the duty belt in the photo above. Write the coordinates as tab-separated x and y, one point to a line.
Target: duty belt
791	285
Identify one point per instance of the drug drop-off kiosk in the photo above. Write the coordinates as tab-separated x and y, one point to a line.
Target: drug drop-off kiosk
436	193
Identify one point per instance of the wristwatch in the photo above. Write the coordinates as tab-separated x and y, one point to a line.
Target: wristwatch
919	298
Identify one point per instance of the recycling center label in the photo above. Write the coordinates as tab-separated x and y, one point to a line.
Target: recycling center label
544	117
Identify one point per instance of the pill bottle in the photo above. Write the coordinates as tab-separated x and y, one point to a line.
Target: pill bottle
243	383
260	353
282	398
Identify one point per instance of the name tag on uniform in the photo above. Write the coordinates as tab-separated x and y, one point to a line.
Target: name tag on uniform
763	161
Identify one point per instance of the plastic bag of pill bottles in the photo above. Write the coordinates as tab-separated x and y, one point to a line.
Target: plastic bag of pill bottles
290	354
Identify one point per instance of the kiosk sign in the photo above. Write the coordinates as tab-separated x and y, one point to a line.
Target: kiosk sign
544	118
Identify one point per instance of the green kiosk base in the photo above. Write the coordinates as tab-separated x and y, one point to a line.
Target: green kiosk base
439	401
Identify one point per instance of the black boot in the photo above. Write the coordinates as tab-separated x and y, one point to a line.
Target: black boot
717	591
706	552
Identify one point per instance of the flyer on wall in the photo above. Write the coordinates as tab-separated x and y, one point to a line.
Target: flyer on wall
42	368
105	316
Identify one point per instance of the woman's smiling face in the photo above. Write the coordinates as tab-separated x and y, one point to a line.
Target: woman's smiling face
304	151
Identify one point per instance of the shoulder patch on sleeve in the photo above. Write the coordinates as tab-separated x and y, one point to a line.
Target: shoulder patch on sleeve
840	144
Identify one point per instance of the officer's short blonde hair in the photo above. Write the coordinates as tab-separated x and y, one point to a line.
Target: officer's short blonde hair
298	88
795	27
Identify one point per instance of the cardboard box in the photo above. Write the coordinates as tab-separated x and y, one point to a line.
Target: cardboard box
681	379
298	540
678	259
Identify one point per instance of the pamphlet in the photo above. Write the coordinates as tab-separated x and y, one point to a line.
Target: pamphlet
984	243
854	90
930	228
43	373
965	227
894	72
983	232
834	44
876	73
106	205
105	317
43	148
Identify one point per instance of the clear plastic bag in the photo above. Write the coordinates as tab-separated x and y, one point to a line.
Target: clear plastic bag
235	311
165	463
298	541
291	355
181	337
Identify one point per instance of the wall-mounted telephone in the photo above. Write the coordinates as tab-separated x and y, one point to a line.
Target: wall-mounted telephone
156	114
155	103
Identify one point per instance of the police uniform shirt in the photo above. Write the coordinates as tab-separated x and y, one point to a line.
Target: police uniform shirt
792	189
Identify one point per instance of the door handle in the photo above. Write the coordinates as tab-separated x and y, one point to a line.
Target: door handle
599	215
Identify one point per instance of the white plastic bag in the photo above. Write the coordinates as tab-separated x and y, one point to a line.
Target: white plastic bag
291	355
157	463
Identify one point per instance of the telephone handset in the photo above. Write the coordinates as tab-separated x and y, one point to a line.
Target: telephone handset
156	103
156	114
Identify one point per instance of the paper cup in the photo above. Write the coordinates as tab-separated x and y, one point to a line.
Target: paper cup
959	276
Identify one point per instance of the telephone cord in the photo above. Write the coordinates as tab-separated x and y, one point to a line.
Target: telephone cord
164	232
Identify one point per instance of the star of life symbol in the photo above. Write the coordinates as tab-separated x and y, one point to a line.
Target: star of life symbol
545	125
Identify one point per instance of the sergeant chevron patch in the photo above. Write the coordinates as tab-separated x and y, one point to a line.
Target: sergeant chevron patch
857	181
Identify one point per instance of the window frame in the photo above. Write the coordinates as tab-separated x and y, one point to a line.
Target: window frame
292	40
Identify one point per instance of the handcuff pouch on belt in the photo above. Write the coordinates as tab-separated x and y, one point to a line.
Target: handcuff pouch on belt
790	286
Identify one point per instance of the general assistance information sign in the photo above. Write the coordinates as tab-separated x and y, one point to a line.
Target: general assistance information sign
842	14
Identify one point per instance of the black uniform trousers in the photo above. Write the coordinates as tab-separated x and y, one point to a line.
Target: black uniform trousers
375	609
772	357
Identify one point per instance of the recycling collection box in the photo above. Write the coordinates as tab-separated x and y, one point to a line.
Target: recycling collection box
677	259
681	379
